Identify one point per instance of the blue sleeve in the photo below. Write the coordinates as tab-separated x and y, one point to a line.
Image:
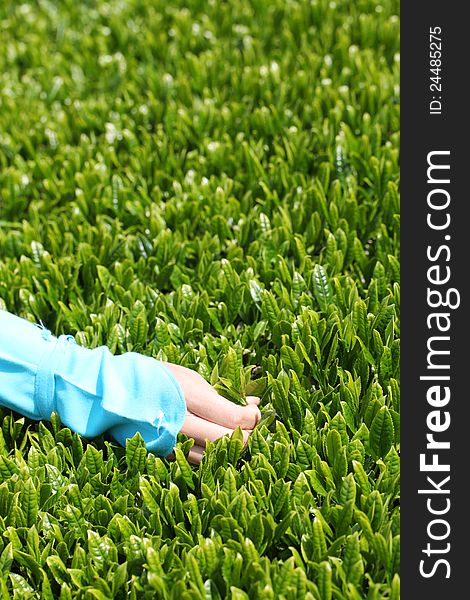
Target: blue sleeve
92	390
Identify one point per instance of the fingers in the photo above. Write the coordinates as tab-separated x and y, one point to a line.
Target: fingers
202	430
211	406
203	400
195	454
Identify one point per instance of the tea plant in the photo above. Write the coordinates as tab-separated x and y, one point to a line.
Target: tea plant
213	184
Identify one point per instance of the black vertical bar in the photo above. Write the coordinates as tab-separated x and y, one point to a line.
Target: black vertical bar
434	118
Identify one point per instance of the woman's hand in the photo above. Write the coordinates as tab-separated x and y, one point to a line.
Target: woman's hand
209	415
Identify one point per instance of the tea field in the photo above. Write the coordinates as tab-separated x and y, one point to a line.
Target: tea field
214	184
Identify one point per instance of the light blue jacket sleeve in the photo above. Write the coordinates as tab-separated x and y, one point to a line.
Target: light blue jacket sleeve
92	390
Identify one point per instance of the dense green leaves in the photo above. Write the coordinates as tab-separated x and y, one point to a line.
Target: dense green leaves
217	185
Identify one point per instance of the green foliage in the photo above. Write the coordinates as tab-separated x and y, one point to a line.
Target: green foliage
213	184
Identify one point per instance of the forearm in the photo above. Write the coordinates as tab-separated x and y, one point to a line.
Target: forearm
91	389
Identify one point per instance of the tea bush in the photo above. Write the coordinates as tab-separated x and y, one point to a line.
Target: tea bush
214	184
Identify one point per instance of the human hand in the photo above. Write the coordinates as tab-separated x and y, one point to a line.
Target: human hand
209	415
